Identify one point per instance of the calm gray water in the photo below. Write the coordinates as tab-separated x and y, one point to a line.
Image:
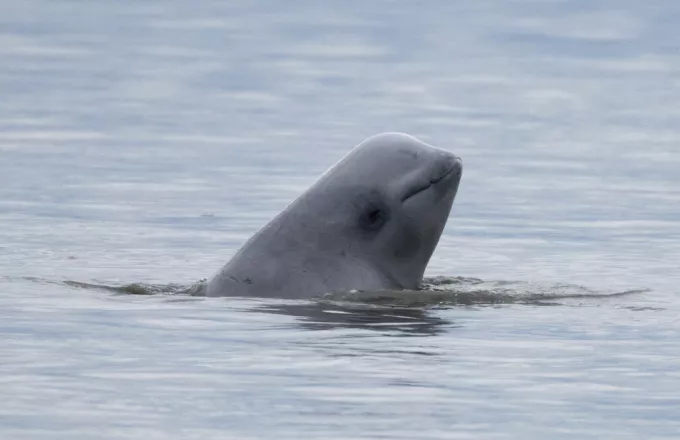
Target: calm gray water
143	142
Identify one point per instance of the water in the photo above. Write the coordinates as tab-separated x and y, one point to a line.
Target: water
143	142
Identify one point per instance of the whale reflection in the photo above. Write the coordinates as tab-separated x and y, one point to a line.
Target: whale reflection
327	316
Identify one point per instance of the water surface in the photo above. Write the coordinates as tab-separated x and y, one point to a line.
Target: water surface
144	142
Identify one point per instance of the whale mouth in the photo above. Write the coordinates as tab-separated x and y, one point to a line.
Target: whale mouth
433	181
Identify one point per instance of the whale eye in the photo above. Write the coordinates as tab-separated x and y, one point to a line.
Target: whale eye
374	217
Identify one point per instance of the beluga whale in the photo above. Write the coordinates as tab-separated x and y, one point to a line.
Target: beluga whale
371	222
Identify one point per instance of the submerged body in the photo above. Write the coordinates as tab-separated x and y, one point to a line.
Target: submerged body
371	222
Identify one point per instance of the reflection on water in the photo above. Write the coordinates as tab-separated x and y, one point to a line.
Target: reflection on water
328	316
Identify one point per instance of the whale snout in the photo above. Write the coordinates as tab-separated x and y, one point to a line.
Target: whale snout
444	173
448	164
457	166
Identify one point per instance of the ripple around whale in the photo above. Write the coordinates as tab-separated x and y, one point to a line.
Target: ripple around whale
394	312
438	291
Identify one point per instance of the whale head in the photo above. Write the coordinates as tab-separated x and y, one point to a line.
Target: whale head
387	203
371	222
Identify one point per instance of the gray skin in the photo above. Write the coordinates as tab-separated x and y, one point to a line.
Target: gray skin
371	222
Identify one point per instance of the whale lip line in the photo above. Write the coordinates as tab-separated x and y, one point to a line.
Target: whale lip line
419	189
